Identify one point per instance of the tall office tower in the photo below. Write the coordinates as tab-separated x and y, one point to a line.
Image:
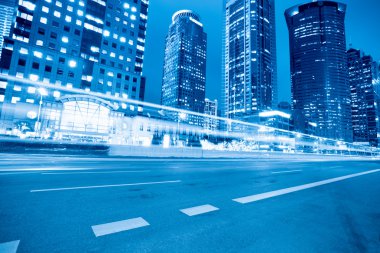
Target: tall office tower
250	69
363	97
92	45
184	74
7	8
318	64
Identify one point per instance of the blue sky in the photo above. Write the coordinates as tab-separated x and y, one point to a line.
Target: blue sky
362	29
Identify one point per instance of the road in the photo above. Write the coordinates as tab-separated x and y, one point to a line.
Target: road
73	204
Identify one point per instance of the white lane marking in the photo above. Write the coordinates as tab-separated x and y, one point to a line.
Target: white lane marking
271	194
94	172
104	186
196	210
9	247
119	226
17	173
286	171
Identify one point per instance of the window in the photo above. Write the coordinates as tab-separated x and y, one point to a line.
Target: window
43	20
35	65
41	31
53	35
59	71
51	45
47	68
77	32
21	62
71	74
61	60
66	28
70	8
57	14
65	39
55	24
45	9
68	19
102	71
39	43
58	3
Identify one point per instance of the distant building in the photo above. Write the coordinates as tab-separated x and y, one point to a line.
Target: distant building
184	77
7	8
276	119
320	84
211	108
92	45
284	106
363	97
250	67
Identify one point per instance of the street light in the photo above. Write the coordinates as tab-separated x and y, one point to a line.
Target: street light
42	92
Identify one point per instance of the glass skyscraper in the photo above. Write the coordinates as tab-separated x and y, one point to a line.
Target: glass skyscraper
250	69
363	97
184	73
92	45
7	8
318	64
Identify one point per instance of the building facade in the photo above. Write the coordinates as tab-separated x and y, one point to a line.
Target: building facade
7	8
184	72
90	45
250	68
363	97
318	64
211	108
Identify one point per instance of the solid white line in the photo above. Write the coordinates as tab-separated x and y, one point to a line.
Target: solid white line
9	247
266	195
104	186
287	171
192	211
118	226
94	172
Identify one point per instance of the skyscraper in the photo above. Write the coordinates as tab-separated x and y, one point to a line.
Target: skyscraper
318	64
250	69
184	74
363	97
92	45
6	15
211	108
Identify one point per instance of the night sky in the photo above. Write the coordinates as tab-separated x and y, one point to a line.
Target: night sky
362	30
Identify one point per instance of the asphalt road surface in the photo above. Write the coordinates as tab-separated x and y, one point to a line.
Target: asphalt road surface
72	204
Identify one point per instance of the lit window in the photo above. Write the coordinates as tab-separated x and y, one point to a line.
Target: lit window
33	77
17	88
80	13
58	3
28	5
56	94
121	57
15	100
106	33
133	17
48	1
94	49
68	19
37	54
112	54
30	101
1	98
115	36
72	64
3	85
130	42
65	39
23	51
81	3
126	5
134	9
57	14
43	20
122	39
45	9
79	22
31	90
39	43
63	50
49	57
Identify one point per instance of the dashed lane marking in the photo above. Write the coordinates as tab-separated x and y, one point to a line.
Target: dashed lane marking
196	210
119	226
